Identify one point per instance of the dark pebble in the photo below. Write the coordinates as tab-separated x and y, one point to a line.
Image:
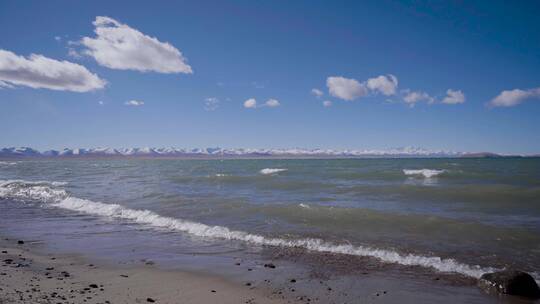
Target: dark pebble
248	284
212	290
20	242
270	265
150	300
93	286
293	281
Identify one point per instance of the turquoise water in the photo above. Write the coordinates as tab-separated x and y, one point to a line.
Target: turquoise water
464	216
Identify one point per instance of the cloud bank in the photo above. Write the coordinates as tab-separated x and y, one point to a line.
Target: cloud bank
40	72
272	103
118	46
413	97
345	88
453	97
252	103
514	97
134	103
385	85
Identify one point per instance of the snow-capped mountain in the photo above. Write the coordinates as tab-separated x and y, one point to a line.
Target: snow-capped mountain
220	152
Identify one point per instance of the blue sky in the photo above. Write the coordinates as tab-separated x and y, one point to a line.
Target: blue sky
484	52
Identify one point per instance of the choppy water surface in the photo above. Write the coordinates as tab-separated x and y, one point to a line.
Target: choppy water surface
466	216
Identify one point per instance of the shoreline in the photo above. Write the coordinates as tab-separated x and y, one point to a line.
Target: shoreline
29	276
30	273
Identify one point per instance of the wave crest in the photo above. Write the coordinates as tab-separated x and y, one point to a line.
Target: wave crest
268	171
427	173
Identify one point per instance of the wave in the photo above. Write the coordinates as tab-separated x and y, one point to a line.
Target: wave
427	173
305	206
267	171
7	163
57	197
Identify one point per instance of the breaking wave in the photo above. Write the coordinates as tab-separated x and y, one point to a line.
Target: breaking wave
267	171
52	195
427	173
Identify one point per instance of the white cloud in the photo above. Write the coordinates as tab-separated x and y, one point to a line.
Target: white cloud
134	103
345	88
118	46
514	97
57	38
412	97
386	85
40	72
211	103
101	103
454	97
316	92
73	53
327	103
272	103
250	103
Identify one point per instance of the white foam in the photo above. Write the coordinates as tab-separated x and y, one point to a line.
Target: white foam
6	163
221	175
427	173
267	171
35	190
60	198
306	206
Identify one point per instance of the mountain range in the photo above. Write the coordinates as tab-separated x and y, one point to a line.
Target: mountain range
26	152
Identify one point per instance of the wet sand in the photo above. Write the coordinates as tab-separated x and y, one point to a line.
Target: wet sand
30	277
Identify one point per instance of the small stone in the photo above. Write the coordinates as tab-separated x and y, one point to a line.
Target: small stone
20	242
93	286
293	281
270	265
150	300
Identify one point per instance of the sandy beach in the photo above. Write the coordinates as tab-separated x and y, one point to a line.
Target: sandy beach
30	277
